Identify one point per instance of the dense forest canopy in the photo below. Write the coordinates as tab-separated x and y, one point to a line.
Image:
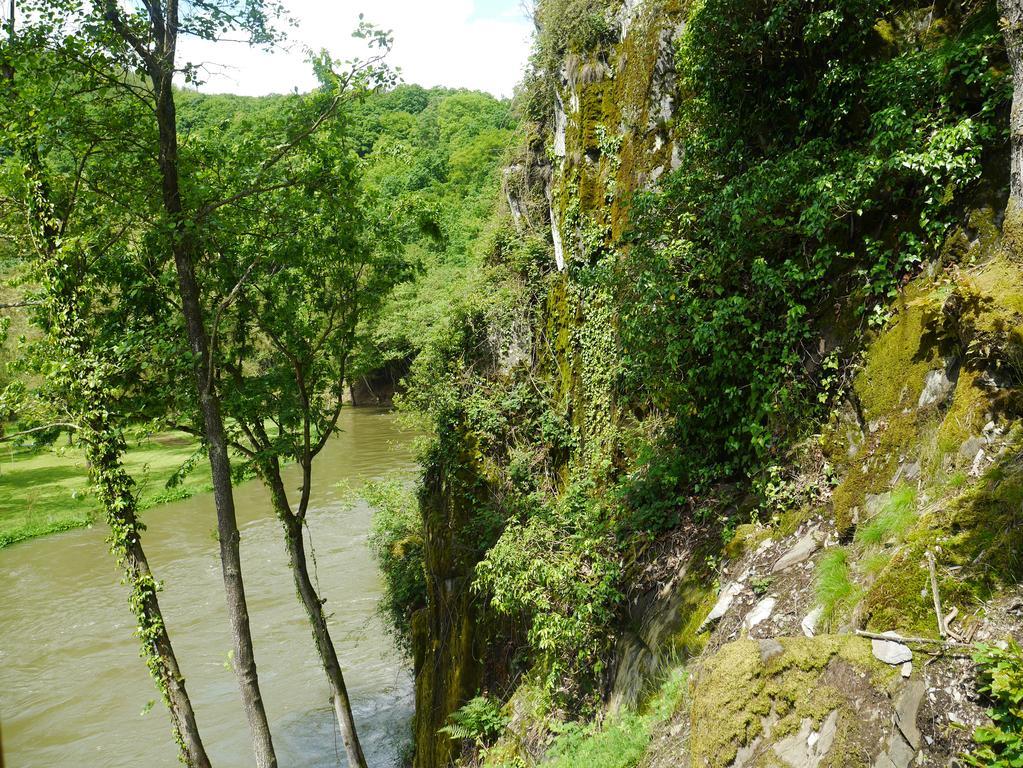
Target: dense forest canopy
430	161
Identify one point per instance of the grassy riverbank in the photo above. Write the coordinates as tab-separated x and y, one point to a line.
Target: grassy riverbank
46	491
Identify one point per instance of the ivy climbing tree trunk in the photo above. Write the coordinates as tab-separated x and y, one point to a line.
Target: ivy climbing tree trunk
1012	26
81	379
115	489
85	384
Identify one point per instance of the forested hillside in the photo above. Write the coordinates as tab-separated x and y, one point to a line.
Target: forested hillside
430	159
434	157
741	393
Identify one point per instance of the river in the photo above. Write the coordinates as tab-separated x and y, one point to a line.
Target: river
73	689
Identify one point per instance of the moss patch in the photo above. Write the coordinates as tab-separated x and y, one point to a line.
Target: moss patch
735	693
966	416
983	527
994	296
697	599
971	314
977	537
888	392
872	470
748	536
899	359
973	317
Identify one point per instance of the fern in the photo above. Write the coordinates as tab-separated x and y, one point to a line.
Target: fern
478	720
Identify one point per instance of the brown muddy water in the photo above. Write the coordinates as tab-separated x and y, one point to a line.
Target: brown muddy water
74	692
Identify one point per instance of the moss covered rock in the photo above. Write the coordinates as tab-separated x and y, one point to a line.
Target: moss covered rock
824	700
949	362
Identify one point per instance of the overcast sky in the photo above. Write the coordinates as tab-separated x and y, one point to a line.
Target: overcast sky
480	44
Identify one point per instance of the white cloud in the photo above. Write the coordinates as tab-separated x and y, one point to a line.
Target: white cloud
439	42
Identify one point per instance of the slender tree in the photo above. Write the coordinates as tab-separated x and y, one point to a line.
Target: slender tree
300	267
145	39
132	49
84	368
287	186
85	376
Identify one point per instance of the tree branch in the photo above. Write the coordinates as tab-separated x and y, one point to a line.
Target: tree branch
113	15
228	300
196	433
209	208
22	433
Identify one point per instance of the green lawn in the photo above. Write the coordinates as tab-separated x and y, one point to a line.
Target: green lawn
46	491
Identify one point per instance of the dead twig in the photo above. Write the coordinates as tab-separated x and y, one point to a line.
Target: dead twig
937	597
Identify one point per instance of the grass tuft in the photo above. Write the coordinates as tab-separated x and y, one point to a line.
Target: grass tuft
892	521
873	564
834	585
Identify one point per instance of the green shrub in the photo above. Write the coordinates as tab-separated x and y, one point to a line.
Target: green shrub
397	544
1000	745
761	585
825	160
619	744
558	573
622	740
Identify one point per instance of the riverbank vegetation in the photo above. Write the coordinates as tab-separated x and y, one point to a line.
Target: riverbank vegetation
45	490
432	154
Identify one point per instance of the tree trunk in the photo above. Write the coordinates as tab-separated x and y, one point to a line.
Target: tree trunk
104	451
116	488
1011	12
184	251
1012	21
314	610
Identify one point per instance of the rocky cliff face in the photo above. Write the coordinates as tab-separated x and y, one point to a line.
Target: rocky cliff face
609	136
460	648
898	512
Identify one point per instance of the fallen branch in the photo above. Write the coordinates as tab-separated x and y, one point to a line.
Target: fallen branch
908	640
954	634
